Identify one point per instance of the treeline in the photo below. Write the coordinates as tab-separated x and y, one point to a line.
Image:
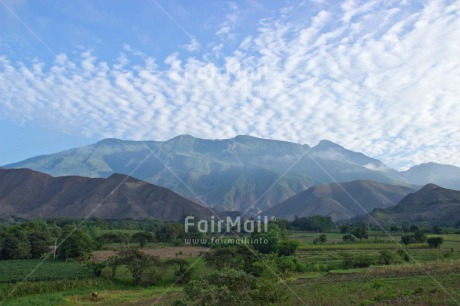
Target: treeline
69	238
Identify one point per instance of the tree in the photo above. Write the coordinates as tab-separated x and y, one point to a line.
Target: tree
223	287
435	242
137	263
387	257
110	237
321	239
39	243
76	244
169	232
142	238
233	257
345	229
272	237
407	239
348	237
288	247
16	246
436	230
360	232
317	224
419	236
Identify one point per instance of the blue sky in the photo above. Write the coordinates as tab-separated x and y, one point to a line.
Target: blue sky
378	76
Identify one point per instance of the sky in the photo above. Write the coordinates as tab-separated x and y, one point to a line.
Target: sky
378	76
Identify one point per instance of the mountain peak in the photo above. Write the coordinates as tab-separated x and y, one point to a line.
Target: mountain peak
429	187
109	141
327	144
183	137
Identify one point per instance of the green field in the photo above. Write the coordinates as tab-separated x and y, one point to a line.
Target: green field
428	277
36	269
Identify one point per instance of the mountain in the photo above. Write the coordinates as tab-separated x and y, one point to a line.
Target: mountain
28	193
243	173
339	200
431	205
447	176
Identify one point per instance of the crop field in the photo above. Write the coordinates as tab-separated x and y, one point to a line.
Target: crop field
36	270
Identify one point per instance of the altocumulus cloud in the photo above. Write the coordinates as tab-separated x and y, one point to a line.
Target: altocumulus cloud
376	76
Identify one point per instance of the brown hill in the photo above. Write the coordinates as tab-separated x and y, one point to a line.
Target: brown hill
340	201
28	193
431	205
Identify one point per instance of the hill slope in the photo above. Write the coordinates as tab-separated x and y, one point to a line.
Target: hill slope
339	201
431	205
28	193
231	173
447	176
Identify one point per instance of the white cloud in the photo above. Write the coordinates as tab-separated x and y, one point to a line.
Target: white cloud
193	46
375	77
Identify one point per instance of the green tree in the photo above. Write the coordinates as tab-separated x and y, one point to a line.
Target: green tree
137	263
288	247
321	239
39	243
76	243
268	241
435	242
407	239
233	257
348	237
360	232
142	238
345	229
16	246
419	236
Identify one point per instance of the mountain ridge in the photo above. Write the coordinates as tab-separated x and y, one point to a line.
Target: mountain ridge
430	205
28	193
340	201
227	173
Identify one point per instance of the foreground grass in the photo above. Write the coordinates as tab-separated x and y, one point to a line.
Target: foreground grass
414	290
109	293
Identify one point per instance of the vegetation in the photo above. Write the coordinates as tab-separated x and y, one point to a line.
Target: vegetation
293	268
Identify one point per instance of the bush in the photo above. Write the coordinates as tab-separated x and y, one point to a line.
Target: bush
358	261
233	287
404	255
348	238
387	257
407	239
321	239
435	242
288	247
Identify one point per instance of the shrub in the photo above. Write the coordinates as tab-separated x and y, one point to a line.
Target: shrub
288	247
404	255
358	261
321	239
387	257
407	239
348	238
435	242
